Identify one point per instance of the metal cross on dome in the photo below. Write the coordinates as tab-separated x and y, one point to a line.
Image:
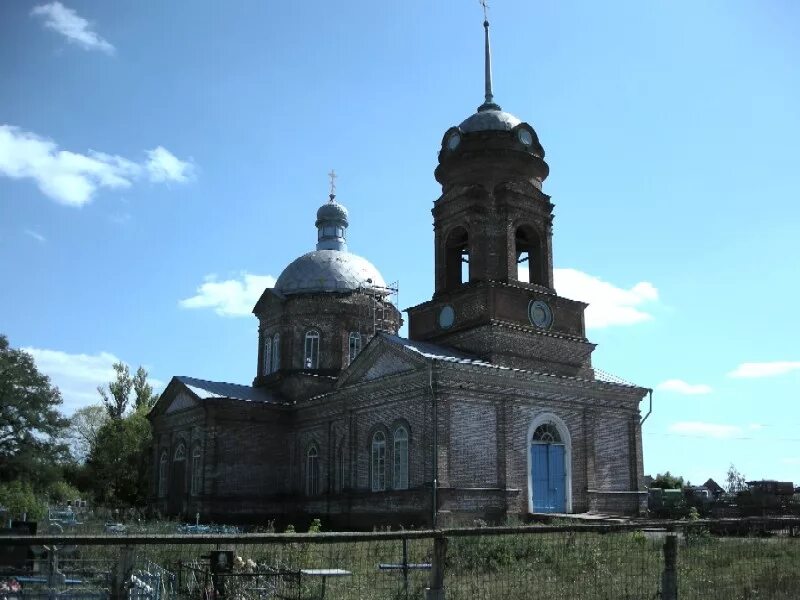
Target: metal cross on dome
333	177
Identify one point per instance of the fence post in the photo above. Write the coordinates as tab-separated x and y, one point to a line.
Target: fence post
122	573
669	579
436	589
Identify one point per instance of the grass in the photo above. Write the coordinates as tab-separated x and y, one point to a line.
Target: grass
577	566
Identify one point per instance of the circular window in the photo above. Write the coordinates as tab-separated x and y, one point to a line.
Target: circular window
447	316
540	314
525	137
453	140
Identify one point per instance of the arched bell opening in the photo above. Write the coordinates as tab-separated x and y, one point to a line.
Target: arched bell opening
529	253
457	258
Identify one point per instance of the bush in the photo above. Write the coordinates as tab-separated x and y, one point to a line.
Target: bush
60	492
19	498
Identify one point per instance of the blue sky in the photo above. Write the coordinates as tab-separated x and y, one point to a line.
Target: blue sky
161	162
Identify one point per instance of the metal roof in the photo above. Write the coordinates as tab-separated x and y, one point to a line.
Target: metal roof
329	271
442	353
485	120
206	390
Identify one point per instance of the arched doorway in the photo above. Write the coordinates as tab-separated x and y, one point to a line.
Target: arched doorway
549	471
177	491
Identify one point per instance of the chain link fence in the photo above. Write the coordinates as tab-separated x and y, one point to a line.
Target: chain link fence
732	559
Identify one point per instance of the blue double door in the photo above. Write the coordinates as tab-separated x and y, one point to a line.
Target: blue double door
548	476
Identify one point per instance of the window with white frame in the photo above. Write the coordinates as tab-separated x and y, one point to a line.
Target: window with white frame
312	471
354	346
267	366
378	462
400	455
197	470
276	352
162	475
311	354
180	452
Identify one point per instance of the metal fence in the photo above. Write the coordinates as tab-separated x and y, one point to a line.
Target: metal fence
731	559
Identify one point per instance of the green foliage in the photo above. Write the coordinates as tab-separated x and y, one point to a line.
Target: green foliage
60	492
289	529
315	527
30	422
18	497
735	481
118	461
117	394
84	425
667	481
145	399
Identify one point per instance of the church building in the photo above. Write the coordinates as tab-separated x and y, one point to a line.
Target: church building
490	408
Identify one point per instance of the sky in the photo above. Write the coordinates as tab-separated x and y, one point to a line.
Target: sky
162	162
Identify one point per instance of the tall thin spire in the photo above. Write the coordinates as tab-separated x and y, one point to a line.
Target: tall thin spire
489	103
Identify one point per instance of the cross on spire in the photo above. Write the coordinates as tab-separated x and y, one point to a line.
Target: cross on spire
333	177
489	103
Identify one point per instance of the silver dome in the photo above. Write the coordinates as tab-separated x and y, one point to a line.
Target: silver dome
329	271
486	120
332	211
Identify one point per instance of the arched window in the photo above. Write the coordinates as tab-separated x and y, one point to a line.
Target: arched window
197	470
400	455
180	452
312	471
378	462
456	258
266	368
546	433
354	346
276	352
311	354
339	475
529	252
162	475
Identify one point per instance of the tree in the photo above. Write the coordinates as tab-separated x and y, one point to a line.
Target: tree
145	398
30	422
119	391
667	481
118	460
84	427
116	395
118	456
735	480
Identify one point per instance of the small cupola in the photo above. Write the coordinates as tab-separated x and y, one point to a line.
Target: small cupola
332	223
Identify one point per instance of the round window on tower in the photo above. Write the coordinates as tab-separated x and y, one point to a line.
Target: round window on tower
525	137
540	314
453	140
447	316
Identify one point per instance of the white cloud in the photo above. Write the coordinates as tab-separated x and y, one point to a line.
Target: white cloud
701	429
232	297
608	304
681	387
764	369
162	165
792	461
35	235
756	426
72	26
71	178
78	375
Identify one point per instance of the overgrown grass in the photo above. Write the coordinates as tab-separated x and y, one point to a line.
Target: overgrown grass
578	566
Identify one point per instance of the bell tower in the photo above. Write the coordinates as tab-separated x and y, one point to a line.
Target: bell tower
493	227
